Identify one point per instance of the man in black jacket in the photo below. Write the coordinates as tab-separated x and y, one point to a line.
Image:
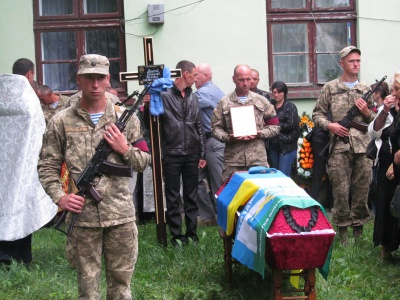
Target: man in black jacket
182	142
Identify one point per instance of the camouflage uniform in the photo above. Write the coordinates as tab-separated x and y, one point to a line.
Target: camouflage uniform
240	155
107	227
349	169
49	111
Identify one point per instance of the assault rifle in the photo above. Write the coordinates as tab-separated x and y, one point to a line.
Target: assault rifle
349	122
135	93
98	166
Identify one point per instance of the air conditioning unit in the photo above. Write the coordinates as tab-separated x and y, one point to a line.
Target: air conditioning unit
156	13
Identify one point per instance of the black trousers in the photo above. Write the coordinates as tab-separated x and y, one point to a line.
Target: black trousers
20	250
319	169
176	167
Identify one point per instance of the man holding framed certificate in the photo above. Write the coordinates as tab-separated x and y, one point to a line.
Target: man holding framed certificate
242	120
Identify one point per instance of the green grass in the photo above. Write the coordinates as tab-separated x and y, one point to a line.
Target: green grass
197	272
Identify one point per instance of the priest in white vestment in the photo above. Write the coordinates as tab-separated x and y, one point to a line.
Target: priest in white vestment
24	205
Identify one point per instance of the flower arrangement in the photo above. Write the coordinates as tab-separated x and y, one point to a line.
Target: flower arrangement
305	159
64	177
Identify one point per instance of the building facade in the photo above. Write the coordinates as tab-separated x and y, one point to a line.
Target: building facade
297	43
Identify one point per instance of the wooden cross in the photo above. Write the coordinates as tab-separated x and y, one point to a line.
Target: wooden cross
147	74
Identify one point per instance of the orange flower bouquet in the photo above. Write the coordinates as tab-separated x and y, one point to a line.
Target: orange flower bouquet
64	177
305	157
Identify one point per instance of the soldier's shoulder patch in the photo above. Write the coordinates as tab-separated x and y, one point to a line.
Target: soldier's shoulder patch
76	129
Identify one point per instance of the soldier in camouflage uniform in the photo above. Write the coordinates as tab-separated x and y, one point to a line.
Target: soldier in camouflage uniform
51	103
106	229
245	151
349	169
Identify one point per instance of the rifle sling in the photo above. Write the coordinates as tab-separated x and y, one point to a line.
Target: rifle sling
361	126
112	169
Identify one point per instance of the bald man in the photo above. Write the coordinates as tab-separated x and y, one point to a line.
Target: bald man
209	95
51	103
243	152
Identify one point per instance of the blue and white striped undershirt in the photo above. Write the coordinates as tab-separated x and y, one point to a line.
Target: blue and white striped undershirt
243	99
350	85
96	117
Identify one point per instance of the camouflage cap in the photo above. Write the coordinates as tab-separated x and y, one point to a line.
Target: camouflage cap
94	64
347	50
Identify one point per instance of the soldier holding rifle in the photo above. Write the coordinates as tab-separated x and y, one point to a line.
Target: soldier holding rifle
349	169
107	228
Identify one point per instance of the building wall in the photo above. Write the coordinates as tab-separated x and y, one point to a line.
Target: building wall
223	33
378	31
16	31
378	38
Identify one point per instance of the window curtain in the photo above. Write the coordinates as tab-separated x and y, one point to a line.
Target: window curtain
59	46
332	3
288	3
100	6
330	39
55	7
290	53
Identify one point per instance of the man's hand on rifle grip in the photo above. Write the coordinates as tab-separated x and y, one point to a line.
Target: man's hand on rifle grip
362	107
338	129
71	202
116	139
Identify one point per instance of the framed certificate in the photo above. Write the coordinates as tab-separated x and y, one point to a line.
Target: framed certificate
243	120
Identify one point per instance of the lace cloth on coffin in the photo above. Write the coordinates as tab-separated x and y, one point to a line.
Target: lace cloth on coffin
24	205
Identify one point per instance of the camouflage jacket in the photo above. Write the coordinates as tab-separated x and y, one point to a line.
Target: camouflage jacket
78	95
49	111
338	99
244	153
72	136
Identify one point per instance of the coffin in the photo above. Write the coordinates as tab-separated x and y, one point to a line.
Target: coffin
288	250
263	234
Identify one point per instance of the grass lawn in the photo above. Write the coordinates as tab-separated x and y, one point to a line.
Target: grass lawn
196	272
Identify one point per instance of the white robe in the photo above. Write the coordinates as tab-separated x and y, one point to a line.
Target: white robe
24	205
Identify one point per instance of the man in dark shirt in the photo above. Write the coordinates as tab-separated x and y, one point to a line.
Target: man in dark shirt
182	142
255	79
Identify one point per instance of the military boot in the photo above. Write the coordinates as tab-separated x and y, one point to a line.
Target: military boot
343	235
357	231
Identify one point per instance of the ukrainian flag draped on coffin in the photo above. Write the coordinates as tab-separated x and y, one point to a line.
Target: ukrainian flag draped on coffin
260	197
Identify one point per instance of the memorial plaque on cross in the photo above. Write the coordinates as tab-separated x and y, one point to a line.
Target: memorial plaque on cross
147	73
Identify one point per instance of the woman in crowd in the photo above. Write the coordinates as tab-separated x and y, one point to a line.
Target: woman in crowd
386	231
282	149
380	94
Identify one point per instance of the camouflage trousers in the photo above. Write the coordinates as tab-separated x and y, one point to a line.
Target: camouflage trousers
119	247
228	170
350	175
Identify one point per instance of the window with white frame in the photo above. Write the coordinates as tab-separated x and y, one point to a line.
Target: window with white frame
305	38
